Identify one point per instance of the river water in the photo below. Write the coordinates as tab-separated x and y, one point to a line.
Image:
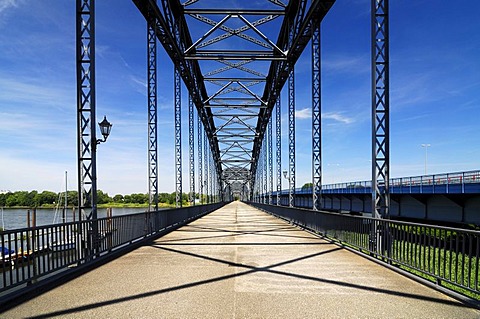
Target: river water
17	218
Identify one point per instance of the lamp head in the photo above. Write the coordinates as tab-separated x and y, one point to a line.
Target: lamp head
105	128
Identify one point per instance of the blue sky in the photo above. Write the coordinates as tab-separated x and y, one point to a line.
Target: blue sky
435	94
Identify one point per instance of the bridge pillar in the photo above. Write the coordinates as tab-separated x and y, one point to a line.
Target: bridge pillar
380	123
191	151
178	139
316	120
86	121
200	157
291	138
380	109
278	133
152	116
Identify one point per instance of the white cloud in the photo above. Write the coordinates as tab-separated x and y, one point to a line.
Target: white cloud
338	117
350	64
305	113
7	4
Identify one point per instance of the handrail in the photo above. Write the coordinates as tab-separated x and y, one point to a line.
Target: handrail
459	178
29	255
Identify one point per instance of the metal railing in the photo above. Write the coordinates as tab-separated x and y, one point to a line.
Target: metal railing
449	182
447	257
29	255
414	183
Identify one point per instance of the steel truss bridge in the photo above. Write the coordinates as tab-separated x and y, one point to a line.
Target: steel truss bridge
234	64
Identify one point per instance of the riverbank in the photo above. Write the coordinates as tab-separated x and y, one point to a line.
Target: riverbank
106	205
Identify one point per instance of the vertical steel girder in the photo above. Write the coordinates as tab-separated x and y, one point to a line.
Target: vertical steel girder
380	110
316	120
191	150
178	139
152	119
210	176
291	138
86	129
265	171
278	132
205	163
86	135
270	163
200	158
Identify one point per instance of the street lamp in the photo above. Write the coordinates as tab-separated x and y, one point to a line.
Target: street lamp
426	146
105	128
285	174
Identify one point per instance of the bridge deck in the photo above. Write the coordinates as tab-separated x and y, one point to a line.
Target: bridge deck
241	263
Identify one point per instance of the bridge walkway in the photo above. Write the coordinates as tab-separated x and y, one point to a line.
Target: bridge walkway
239	262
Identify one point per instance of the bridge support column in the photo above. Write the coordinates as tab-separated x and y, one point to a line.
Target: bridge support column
278	132
291	138
270	163
265	170
316	120
178	139
380	109
86	121
205	163
152	118
380	120
191	151
200	157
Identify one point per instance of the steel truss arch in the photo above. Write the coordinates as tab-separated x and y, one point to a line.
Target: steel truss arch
234	102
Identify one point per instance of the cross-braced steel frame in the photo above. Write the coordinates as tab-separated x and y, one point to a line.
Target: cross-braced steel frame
291	138
206	166
380	109
278	134
152	118
86	120
178	139
86	138
191	151
235	115
316	120
200	157
270	163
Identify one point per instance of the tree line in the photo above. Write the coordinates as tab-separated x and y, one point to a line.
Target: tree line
48	198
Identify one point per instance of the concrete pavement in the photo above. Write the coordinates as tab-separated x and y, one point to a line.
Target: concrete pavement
239	262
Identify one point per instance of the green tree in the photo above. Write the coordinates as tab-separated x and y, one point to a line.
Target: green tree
45	197
72	197
3	199
103	198
118	198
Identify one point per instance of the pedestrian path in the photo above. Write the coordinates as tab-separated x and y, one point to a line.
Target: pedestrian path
239	262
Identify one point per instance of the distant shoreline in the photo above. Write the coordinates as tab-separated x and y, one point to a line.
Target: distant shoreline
107	205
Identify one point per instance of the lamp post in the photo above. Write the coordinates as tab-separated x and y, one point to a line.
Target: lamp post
426	146
93	241
105	128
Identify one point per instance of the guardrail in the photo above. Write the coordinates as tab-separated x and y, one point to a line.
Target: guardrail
447	257
29	255
445	183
